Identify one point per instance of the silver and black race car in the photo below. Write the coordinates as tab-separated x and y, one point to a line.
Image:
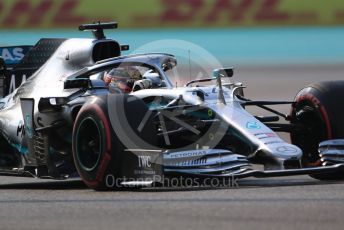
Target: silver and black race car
66	120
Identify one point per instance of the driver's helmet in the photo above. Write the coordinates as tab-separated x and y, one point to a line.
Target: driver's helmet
122	78
154	77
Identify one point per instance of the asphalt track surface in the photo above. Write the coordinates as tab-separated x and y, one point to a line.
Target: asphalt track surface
280	203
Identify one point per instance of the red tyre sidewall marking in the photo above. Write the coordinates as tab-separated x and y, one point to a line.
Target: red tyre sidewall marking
107	156
315	101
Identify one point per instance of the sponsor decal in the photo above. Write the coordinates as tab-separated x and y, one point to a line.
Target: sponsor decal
190	162
12	55
265	135
188	158
145	161
144	172
188	154
145	166
252	125
14	82
28	126
273	142
286	149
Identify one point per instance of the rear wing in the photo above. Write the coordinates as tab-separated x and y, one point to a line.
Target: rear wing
20	62
10	56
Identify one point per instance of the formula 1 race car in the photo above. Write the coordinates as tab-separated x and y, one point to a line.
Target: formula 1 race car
85	110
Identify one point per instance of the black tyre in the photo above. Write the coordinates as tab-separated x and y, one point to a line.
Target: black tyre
320	108
97	148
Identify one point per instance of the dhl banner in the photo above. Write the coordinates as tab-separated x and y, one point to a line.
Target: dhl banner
49	14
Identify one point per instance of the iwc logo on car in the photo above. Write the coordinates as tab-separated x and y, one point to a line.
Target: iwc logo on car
145	161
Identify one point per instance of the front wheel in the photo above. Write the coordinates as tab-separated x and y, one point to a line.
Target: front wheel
94	145
99	150
320	108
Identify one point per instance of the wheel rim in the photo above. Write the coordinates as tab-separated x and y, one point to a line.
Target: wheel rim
88	144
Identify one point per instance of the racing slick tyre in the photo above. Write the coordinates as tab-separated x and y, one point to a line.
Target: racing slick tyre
320	108
97	148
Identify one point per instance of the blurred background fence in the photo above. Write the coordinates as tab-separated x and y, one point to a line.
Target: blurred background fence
240	32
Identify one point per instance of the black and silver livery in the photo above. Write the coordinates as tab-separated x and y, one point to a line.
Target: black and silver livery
66	120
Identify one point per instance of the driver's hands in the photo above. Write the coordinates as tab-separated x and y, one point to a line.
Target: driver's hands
142	84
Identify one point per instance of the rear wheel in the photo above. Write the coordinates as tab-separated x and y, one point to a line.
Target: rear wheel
320	108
